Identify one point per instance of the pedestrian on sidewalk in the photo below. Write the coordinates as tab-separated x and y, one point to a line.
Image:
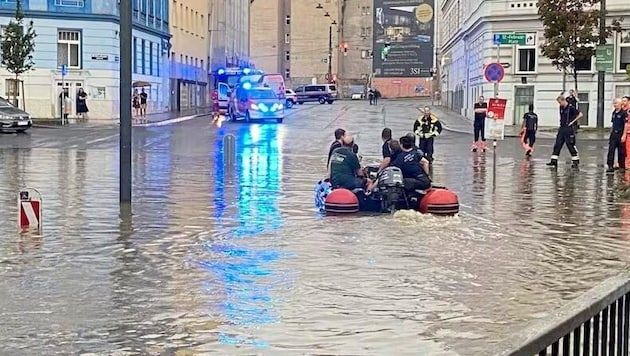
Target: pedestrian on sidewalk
569	115
82	108
528	130
135	99
143	105
617	139
427	127
479	125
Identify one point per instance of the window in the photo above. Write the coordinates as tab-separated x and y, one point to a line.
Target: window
287	73
287	55
201	65
526	60
366	31
150	58
624	50
287	38
12	87
287	20
135	55
365	10
69	48
186	60
144	57
201	25
196	62
196	22
158	56
175	14
70	3
584	65
365	53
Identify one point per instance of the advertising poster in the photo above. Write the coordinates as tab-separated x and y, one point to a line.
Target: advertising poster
495	119
403	38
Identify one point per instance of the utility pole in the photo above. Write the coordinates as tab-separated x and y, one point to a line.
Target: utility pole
330	53
601	75
125	36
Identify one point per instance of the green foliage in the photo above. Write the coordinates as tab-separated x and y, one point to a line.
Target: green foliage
571	30
18	44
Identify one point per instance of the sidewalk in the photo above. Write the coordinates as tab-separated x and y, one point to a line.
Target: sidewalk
151	120
454	122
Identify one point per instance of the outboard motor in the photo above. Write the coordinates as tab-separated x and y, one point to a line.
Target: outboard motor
391	188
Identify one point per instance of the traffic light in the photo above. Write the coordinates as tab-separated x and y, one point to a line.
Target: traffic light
385	52
345	48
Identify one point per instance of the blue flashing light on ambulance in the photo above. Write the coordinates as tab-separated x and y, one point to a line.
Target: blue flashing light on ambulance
226	79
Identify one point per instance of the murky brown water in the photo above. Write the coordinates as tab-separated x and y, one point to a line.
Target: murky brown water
236	261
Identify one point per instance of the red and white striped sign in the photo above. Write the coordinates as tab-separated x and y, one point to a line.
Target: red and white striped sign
29	209
30	214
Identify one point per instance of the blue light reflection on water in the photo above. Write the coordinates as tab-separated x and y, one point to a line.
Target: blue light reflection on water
244	274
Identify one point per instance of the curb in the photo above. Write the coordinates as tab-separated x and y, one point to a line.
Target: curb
168	121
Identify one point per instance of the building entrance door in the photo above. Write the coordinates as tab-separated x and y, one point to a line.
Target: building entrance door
523	98
583	105
71	87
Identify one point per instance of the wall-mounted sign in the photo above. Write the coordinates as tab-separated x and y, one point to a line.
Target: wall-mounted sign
100	57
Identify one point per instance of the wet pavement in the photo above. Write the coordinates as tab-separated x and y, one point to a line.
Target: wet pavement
231	261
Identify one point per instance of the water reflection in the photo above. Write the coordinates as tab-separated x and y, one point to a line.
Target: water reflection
246	206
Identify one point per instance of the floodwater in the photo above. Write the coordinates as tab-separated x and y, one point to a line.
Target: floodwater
235	261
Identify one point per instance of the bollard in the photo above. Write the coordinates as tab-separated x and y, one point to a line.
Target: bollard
29	209
229	150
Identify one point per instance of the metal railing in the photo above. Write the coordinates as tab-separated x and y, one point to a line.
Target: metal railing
594	324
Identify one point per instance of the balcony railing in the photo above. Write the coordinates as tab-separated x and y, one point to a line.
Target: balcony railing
596	323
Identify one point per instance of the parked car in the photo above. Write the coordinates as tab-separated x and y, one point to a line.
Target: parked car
255	103
321	93
291	98
13	119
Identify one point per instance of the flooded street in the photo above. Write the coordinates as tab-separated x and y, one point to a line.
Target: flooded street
235	261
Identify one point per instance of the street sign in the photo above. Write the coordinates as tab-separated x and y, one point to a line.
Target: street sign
520	39
604	58
64	70
29	209
494	72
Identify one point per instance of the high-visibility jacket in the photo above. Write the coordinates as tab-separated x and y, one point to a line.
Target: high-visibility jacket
427	126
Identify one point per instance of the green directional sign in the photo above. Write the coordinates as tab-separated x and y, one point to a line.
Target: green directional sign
519	39
604	58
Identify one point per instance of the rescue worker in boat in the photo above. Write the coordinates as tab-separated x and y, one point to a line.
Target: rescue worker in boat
617	139
340	135
386	136
345	168
530	125
427	127
412	164
569	115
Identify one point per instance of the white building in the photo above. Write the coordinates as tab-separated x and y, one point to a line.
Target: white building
466	46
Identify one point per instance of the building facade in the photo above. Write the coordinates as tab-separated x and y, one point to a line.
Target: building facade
83	35
466	38
190	45
292	38
229	33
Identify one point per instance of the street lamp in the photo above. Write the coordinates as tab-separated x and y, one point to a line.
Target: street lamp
329	75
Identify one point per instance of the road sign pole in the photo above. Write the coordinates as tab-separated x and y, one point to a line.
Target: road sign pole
494	141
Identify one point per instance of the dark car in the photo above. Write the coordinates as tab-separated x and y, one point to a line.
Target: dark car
13	119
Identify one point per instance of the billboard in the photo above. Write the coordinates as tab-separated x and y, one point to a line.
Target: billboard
403	38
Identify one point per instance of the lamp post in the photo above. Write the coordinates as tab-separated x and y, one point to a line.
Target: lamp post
329	74
126	26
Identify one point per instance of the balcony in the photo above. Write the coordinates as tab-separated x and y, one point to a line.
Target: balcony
188	72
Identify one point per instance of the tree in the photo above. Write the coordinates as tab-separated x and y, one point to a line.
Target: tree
571	30
18	45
